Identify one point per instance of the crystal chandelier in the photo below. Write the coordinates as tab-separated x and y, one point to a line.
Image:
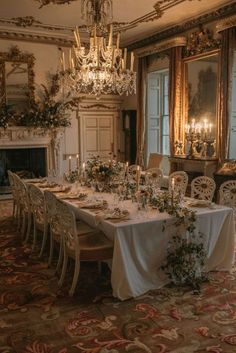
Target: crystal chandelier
102	68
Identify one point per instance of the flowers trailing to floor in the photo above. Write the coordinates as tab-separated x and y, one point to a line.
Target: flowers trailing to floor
186	256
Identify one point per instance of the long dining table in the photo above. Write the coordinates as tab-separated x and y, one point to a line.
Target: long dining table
140	243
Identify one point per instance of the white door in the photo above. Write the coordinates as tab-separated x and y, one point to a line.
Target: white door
97	135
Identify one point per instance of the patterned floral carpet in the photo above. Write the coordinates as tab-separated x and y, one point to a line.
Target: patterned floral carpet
38	317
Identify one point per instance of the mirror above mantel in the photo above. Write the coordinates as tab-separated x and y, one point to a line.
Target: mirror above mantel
16	79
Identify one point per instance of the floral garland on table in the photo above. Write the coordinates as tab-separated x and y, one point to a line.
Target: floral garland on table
186	255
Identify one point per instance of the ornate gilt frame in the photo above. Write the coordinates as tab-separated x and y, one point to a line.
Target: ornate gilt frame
185	94
15	55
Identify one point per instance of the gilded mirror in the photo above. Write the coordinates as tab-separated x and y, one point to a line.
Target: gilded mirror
16	79
200	104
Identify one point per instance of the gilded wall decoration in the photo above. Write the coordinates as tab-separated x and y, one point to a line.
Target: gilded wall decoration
26	21
201	41
15	58
56	2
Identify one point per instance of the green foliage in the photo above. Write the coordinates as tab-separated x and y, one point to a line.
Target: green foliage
185	254
5	115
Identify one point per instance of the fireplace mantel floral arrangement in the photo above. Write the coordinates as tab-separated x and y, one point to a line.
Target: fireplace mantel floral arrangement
46	112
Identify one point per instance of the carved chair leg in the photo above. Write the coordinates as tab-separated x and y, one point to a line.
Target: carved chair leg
64	267
23	226
45	233
35	236
28	227
60	258
75	277
51	248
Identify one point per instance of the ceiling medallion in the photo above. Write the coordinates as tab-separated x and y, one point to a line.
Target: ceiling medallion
56	2
102	68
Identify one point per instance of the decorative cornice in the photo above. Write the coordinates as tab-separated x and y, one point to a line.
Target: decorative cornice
226	23
35	37
173	31
162	46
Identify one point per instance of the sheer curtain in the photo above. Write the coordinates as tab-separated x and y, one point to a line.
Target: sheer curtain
225	87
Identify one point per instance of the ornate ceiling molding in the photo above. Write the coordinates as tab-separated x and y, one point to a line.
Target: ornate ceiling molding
188	25
226	23
162	46
35	37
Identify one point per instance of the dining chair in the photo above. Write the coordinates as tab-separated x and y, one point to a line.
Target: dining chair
154	160
24	205
203	188
13	191
228	195
90	247
154	176
132	171
40	221
17	193
180	182
54	227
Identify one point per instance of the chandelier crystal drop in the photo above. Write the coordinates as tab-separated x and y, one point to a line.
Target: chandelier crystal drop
101	69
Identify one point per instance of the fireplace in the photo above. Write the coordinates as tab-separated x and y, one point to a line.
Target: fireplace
29	152
27	162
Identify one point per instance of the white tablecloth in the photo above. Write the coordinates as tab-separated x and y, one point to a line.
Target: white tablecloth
140	246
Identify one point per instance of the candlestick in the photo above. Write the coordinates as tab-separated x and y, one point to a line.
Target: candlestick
69	163
138	176
172	184
77	161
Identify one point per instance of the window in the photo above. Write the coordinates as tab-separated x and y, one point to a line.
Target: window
158	113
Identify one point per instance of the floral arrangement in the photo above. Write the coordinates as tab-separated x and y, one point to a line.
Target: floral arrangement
185	255
96	169
72	176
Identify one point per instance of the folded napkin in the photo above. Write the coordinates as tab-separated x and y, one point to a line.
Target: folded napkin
116	214
199	203
93	204
36	180
48	185
80	196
